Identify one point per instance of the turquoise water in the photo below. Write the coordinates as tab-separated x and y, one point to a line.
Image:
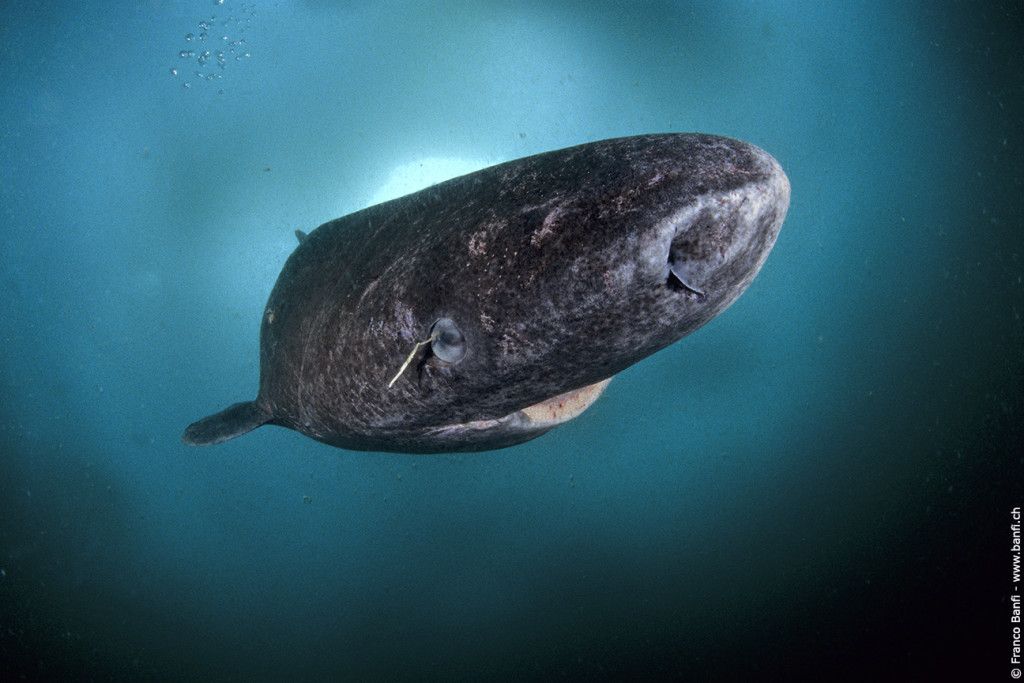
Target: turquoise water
815	485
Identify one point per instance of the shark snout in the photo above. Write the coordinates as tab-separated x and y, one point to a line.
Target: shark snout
719	242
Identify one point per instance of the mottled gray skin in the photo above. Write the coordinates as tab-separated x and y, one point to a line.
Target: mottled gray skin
556	269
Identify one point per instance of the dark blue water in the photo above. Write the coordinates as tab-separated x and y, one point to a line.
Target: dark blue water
815	485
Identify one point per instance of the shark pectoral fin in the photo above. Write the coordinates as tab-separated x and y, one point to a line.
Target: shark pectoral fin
300	236
227	424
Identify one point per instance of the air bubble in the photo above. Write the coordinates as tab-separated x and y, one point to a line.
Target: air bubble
231	44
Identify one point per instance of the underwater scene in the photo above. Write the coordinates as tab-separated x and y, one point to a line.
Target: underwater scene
812	474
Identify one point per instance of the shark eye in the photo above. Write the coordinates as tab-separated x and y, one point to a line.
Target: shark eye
448	343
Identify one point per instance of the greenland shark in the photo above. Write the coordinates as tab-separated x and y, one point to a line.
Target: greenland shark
483	311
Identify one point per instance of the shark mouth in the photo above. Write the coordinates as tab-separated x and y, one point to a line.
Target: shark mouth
539	416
